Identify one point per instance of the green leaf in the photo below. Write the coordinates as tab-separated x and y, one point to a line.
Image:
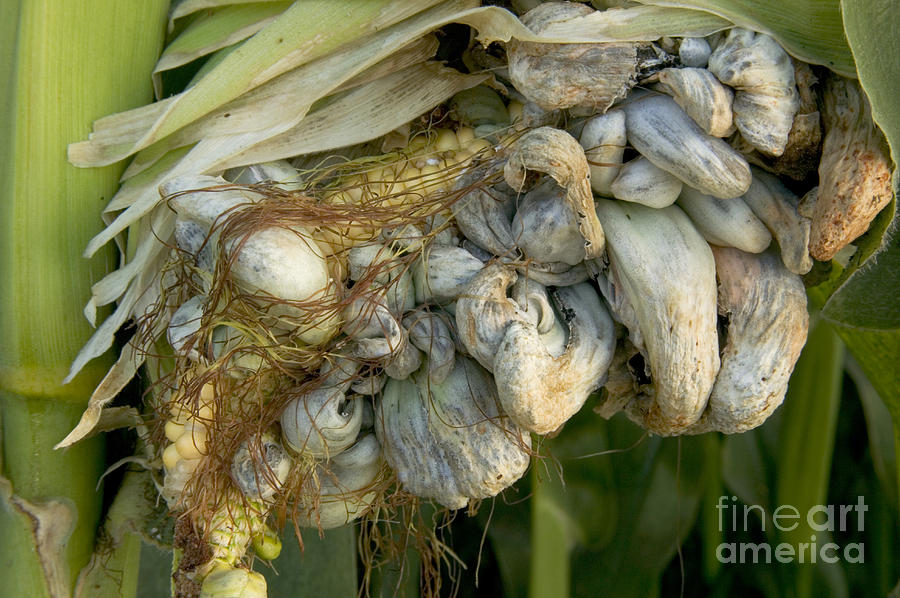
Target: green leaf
222	27
810	30
867	298
325	567
806	440
866	292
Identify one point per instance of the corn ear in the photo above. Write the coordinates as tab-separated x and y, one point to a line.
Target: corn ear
63	65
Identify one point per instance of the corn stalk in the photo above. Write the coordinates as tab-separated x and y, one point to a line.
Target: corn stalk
64	65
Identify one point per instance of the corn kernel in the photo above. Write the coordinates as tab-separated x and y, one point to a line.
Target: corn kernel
446	141
170	457
192	443
515	110
174	430
465	135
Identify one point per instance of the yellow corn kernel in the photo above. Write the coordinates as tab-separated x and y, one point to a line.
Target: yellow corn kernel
465	135
170	457
446	141
478	144
434	179
192	444
174	430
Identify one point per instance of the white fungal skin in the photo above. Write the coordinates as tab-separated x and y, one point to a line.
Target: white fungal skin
276	262
185	323
391	281
725	222
702	97
545	227
260	466
534	301
484	312
378	337
345	486
666	270
449	441
603	139
431	333
442	272
560	76
767	98
641	181
540	391
324	422
777	207
694	52
558	155
765	306
278	171
663	133
484	214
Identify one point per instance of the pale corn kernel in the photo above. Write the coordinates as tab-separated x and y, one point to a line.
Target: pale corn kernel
174	430
478	144
206	412
208	392
192	443
170	457
446	141
515	110
462	158
417	144
188	465
434	179
465	135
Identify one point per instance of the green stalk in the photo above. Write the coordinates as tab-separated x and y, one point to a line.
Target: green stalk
64	65
550	538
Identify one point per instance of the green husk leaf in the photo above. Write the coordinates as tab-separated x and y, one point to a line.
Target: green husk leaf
221	27
809	30
118	136
187	7
304	32
363	113
284	101
866	297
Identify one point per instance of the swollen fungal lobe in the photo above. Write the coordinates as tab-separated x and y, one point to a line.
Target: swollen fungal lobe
324	422
277	262
449	441
558	155
641	181
484	213
765	306
725	222
854	174
767	98
442	272
346	486
484	311
540	391
260	466
777	207
535	305
667	272
545	228
559	76
431	333
663	133
701	96
603	139
376	335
